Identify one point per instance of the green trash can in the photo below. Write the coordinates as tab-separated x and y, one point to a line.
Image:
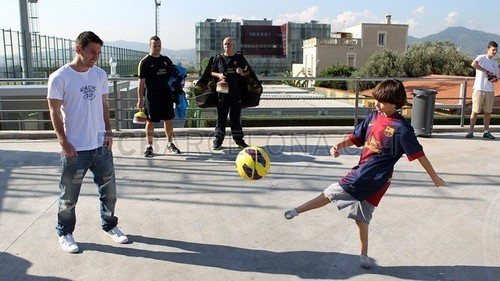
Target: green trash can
422	116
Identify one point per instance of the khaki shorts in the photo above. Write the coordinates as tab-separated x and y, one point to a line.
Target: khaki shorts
359	210
480	98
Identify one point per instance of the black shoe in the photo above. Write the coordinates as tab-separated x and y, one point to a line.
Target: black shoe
488	135
173	149
217	146
148	152
241	144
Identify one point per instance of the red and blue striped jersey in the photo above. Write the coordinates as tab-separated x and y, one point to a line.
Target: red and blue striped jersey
384	139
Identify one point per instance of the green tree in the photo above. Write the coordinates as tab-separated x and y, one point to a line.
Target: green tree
336	71
420	59
439	57
383	63
192	70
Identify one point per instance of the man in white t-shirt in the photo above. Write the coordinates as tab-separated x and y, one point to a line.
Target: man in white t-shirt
77	97
483	94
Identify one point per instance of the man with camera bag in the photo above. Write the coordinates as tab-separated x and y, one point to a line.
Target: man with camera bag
231	69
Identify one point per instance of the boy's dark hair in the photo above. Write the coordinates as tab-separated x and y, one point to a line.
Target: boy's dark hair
87	37
154	38
492	44
390	91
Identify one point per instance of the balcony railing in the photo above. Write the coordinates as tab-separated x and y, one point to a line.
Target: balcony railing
332	42
23	104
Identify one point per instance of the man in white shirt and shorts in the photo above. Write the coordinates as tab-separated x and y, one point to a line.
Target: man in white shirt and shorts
483	94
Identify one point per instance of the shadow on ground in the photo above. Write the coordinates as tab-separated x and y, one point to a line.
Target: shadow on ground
303	264
16	268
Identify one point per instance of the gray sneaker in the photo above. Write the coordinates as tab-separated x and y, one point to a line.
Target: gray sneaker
469	135
364	261
290	214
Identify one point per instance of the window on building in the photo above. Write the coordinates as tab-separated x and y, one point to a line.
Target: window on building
351	60
382	38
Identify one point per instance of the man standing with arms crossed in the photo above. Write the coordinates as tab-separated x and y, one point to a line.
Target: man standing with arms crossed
155	96
483	94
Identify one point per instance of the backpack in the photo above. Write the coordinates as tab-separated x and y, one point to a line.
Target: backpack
251	90
176	83
207	96
204	89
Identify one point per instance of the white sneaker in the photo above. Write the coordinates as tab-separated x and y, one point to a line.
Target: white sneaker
364	261
117	235
68	243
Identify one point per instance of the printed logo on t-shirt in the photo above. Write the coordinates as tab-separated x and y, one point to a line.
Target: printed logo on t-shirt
88	92
389	131
162	71
373	145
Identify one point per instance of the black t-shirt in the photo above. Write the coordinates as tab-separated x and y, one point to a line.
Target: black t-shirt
156	71
227	65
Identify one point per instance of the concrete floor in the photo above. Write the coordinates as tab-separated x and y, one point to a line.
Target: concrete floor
191	217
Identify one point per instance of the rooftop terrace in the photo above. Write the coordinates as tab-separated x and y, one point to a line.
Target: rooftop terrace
191	217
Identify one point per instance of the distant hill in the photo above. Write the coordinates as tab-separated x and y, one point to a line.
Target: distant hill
183	56
471	42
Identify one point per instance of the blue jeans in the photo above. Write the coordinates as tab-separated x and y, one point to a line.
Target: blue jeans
73	170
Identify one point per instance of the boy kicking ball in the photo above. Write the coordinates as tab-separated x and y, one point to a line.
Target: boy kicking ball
385	136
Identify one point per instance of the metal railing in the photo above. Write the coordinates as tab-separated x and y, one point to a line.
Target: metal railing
23	104
49	53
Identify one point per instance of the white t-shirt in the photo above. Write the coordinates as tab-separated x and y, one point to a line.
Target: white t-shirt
481	82
82	110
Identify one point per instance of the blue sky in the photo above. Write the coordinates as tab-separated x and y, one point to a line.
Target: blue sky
133	20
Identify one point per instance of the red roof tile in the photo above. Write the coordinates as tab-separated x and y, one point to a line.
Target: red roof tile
448	91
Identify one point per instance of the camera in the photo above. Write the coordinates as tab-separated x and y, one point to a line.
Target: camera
491	76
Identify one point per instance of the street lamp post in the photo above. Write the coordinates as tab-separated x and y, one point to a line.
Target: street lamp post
157	11
26	49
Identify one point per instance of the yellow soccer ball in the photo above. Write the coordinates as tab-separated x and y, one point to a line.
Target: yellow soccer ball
253	163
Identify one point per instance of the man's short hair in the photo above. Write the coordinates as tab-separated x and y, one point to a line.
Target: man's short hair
87	37
154	38
492	44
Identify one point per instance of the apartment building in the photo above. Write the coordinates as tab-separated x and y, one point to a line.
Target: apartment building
352	47
262	45
209	36
268	48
